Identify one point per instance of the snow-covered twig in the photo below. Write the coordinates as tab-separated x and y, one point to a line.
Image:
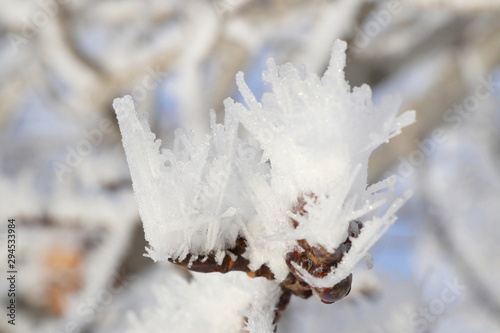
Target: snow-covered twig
310	140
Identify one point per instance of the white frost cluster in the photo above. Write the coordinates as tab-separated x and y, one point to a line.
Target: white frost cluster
211	303
309	138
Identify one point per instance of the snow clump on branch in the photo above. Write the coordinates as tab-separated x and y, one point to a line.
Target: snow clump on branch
296	183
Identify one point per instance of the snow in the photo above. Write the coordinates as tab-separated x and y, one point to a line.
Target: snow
209	303
308	135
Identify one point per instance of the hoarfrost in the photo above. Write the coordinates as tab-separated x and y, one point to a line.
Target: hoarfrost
209	303
313	137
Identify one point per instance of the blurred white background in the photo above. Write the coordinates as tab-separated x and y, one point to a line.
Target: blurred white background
64	178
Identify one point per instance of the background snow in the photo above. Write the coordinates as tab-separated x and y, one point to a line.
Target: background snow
62	79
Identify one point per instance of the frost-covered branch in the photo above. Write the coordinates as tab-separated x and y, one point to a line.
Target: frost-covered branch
293	193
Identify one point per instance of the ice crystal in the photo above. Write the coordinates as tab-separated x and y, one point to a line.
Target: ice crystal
309	138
